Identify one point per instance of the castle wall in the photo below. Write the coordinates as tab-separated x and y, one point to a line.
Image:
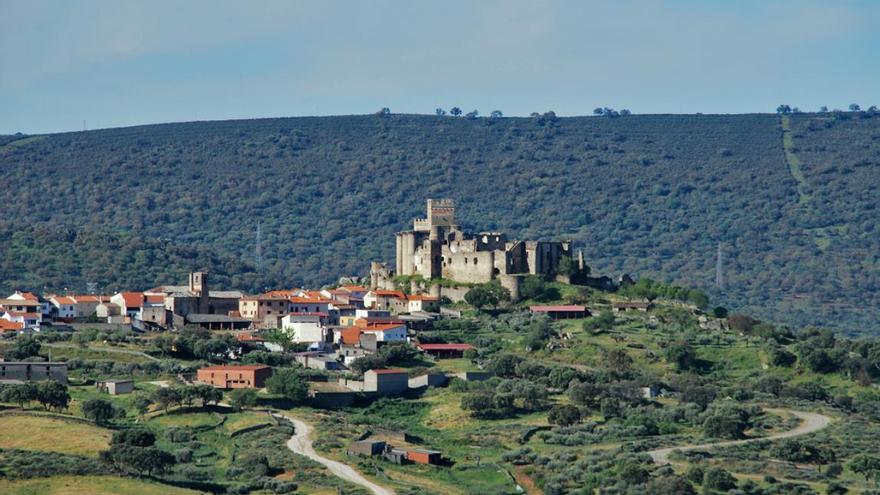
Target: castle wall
469	267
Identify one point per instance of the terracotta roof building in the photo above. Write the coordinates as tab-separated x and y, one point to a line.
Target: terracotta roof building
561	312
235	376
441	351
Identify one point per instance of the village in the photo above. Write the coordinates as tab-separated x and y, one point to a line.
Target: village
508	345
327	329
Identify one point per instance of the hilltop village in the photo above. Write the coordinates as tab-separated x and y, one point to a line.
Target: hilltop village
436	263
474	363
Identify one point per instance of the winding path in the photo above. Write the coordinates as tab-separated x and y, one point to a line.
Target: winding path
301	443
812	422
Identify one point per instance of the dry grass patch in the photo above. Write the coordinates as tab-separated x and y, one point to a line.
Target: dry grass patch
33	432
88	485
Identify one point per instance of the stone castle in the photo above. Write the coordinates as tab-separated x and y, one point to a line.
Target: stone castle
437	247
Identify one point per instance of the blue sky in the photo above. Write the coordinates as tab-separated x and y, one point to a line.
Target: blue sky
117	63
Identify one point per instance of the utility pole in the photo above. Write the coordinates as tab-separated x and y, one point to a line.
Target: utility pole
258	251
719	268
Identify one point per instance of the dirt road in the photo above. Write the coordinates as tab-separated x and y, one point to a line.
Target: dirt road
301	443
810	422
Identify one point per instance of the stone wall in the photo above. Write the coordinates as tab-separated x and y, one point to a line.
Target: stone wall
468	267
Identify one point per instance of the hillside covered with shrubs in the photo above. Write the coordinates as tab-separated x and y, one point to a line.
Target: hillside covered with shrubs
650	195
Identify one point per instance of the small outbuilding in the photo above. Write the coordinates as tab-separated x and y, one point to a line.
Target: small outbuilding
115	387
367	447
420	456
562	312
623	307
441	351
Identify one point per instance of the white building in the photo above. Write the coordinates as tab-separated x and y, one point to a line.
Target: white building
420	303
392	332
391	300
22	308
304	328
65	307
130	302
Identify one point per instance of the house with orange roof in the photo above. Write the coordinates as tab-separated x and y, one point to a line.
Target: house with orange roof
65	307
10	327
422	303
385	329
265	310
391	300
347	294
46	308
131	303
21	309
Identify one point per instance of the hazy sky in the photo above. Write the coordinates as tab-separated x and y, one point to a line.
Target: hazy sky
114	63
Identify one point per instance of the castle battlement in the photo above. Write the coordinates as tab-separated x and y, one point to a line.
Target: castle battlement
421	225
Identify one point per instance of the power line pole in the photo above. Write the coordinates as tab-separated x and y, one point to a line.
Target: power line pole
719	268
258	252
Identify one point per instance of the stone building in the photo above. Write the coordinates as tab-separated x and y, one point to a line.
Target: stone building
196	298
20	372
437	247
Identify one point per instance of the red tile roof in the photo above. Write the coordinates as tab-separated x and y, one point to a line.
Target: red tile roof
281	293
10	326
352	336
19	302
133	299
552	309
155	299
64	300
23	314
376	320
309	300
236	367
422	297
88	298
381	328
390	293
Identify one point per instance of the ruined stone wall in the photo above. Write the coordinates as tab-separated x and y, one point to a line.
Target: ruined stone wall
469	267
544	257
511	283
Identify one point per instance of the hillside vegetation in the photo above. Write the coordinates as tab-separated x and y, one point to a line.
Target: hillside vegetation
650	195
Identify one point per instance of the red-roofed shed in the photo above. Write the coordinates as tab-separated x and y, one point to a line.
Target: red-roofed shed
562	312
441	351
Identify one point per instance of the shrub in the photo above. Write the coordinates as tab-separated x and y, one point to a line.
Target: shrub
719	479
